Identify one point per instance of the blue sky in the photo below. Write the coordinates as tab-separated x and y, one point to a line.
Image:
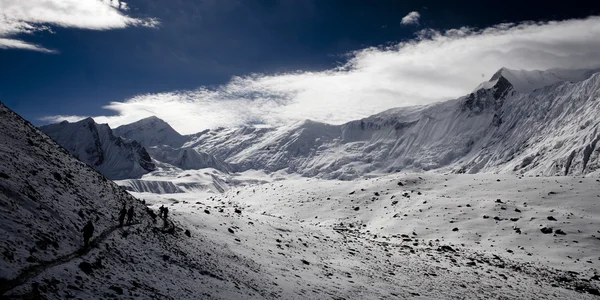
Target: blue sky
198	46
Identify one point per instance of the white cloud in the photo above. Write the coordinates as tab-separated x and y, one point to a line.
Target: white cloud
60	118
432	67
411	18
28	16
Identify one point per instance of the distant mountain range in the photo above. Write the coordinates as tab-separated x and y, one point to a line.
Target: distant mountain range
524	122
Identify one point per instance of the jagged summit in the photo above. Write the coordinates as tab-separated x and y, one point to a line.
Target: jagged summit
526	81
151	131
96	145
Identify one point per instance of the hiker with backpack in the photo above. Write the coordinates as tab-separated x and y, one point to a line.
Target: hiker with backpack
130	215
161	211
122	214
88	231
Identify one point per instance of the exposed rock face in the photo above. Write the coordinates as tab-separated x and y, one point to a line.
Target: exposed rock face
96	145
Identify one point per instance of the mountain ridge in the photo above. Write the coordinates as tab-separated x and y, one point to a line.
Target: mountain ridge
459	135
454	136
151	131
96	145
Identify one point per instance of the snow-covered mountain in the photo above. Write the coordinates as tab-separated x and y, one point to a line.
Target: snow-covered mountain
526	81
529	122
151	131
165	145
498	128
187	158
96	145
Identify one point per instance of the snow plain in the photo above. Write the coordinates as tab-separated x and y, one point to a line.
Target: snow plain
373	238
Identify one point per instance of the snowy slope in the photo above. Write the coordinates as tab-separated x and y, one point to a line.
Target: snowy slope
151	131
526	81
377	239
96	145
550	131
168	179
187	158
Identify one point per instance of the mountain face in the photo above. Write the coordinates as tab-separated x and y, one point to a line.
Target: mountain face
552	130
525	122
46	197
187	158
132	150
167	145
96	145
151	131
524	81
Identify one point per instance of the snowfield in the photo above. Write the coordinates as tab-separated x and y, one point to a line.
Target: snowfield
374	238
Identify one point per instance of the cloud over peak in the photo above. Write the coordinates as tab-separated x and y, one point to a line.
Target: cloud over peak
411	18
434	66
19	17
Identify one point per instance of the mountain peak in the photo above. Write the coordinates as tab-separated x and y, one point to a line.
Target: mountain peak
526	81
151	131
499	73
152	118
150	121
96	145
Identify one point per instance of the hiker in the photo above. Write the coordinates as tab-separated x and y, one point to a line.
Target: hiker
130	215
161	211
122	214
88	231
166	212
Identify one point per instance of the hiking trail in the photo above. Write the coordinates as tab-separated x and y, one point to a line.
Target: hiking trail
32	271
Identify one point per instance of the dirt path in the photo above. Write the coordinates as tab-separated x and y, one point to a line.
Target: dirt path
33	271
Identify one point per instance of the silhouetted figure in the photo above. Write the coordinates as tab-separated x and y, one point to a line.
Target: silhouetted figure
166	212
130	215
161	211
122	214
88	231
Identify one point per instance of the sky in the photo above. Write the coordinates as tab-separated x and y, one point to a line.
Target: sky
201	64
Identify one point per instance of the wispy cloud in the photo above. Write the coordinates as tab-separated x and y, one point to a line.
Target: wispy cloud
60	118
411	18
432	67
18	17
